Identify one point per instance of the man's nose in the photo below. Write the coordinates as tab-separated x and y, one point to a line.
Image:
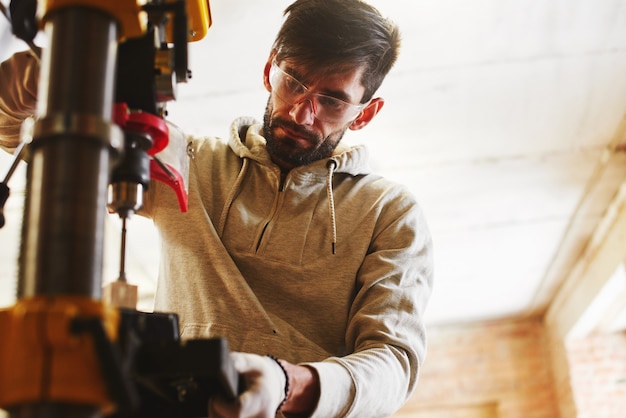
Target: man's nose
303	112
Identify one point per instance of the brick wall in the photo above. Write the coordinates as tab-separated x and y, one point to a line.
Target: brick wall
495	370
598	375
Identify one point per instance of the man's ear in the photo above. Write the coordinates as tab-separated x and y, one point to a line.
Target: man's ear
266	76
266	71
367	114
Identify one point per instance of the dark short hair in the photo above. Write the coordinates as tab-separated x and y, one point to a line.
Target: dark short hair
339	35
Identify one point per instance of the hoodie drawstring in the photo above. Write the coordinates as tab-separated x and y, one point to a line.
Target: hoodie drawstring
332	164
231	196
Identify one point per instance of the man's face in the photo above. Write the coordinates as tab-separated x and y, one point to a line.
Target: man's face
295	135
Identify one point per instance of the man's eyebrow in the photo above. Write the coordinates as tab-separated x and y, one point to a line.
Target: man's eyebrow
338	94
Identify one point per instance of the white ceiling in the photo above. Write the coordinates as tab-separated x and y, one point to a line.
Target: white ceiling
500	115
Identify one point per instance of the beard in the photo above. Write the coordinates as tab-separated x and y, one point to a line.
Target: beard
286	151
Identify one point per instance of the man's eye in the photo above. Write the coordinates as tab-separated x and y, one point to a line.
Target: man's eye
294	85
330	103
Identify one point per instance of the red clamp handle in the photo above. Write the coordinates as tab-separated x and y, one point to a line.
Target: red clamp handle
172	178
146	122
157	128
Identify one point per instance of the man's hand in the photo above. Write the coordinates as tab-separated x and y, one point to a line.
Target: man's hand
264	392
18	95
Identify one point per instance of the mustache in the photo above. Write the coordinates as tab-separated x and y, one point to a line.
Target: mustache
293	127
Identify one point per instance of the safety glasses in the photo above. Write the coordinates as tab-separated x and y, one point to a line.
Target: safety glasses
325	108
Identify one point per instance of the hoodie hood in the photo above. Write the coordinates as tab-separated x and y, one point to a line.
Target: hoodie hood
246	141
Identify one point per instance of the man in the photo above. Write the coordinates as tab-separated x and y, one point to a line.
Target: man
291	247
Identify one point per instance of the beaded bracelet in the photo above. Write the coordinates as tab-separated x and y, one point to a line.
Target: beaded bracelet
282	403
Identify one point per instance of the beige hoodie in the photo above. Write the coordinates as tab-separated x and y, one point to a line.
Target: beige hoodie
252	261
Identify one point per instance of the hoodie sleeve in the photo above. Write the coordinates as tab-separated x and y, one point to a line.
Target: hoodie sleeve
386	324
18	95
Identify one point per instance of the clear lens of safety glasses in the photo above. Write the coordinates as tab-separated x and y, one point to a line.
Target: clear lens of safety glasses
325	108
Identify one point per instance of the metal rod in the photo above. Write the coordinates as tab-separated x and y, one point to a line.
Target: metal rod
17	157
122	277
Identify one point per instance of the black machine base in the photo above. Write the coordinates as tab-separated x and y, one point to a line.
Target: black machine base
171	377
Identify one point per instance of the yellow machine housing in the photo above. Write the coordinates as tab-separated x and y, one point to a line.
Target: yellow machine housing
42	360
132	19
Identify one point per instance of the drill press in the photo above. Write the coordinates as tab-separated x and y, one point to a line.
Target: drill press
64	352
